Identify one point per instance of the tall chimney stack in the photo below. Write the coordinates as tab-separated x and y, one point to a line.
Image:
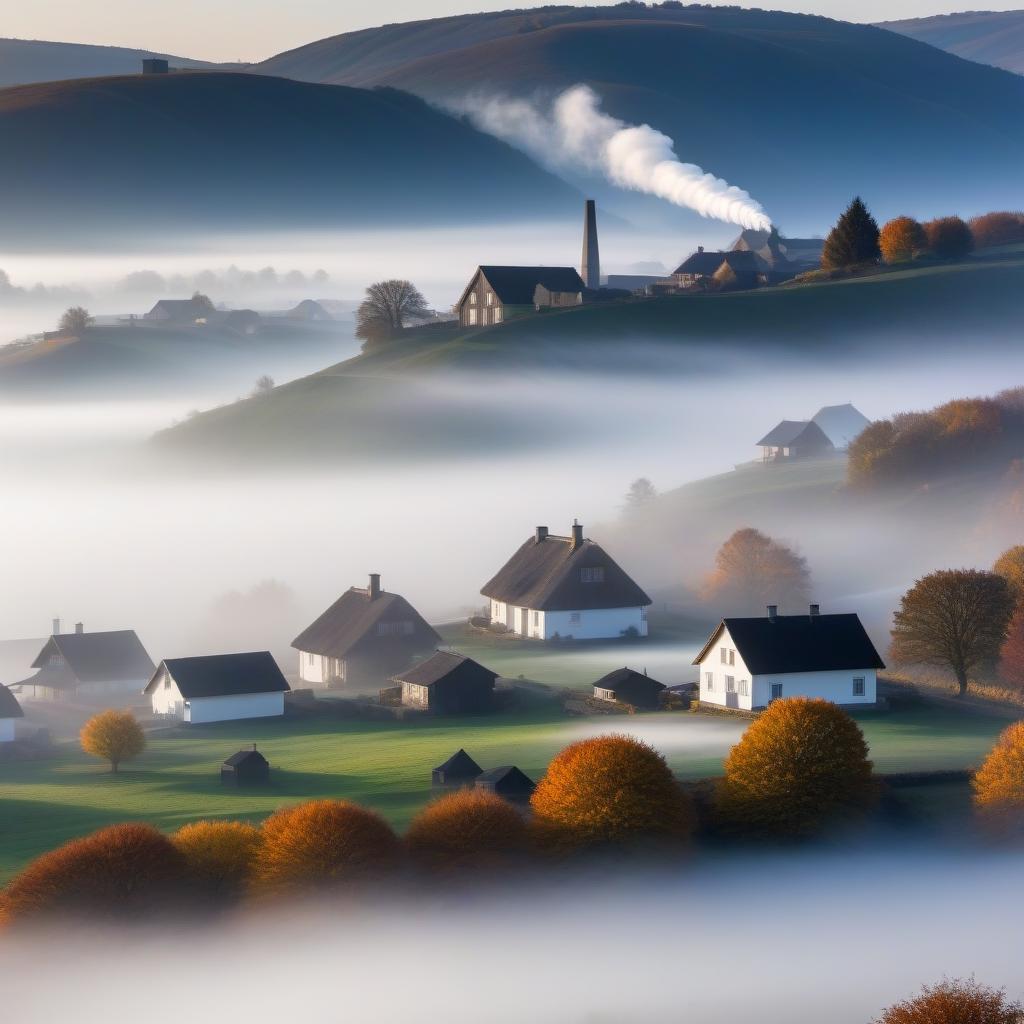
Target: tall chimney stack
542	533
590	269
56	626
577	535
79	628
815	610
773	612
374	585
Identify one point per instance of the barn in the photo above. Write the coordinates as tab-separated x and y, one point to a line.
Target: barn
627	686
448	683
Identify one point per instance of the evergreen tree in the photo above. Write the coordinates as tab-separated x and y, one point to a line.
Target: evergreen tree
853	240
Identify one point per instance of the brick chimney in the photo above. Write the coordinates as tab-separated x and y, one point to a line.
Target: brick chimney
542	533
577	535
79	628
773	612
374	589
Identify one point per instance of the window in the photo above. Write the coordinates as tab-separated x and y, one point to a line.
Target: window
309	659
497	314
56	659
730	684
574	618
776	691
592	574
167	682
744	687
858	687
732	657
709	681
536	618
472	318
490	299
725	656
472	298
403	628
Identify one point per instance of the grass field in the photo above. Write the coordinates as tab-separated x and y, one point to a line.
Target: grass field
387	765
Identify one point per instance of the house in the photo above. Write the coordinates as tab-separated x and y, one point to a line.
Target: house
497	294
365	637
789	255
155	66
310	311
87	665
180	311
459	769
449	683
841	424
246	768
749	662
507	781
626	686
565	587
794	439
10	712
218	688
702	264
740	271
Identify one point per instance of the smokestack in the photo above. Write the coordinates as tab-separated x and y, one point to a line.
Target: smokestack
815	610
577	535
374	585
773	612
700	248
590	269
542	533
56	626
79	628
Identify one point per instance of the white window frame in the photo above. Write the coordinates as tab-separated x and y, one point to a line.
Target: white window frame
730	684
724	655
772	695
860	686
744	686
709	681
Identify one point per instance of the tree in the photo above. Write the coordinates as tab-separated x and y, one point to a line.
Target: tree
752	571
641	492
386	308
999	782
607	791
949	238
955	1002
203	301
322	843
1010	565
1011	656
853	240
114	736
998	228
467	829
802	765
220	855
75	321
901	240
264	385
954	619
123	872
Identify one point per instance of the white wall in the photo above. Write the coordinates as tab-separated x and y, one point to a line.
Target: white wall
227	709
714	691
311	668
165	698
7	726
595	624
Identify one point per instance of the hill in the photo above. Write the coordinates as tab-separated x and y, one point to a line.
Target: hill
206	151
988	37
801	111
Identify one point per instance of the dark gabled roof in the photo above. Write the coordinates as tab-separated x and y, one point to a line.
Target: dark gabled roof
246	757
443	664
508	775
701	262
840	423
626	680
799	643
9	706
98	657
222	675
354	616
514	286
789	432
181	307
742	261
461	764
544	574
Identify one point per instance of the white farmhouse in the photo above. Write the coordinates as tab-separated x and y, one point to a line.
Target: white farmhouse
218	688
747	663
10	712
566	587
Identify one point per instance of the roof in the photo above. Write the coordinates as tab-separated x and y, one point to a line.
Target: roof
841	423
544	574
354	616
252	756
701	262
442	664
460	762
514	286
506	773
9	706
222	675
181	307
99	657
788	432
799	643
625	678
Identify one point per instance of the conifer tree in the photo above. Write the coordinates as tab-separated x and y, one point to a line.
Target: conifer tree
853	240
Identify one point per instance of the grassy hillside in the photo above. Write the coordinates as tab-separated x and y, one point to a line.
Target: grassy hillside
989	37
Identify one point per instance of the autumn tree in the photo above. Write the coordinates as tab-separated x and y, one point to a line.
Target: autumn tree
124	872
997	228
802	765
752	570
999	782
955	1002
75	321
220	855
949	238
322	843
901	239
641	493
606	791
388	306
467	829
113	736
853	240
1011	656
954	619
1010	565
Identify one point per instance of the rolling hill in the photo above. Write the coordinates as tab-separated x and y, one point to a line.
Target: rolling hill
801	111
207	151
988	37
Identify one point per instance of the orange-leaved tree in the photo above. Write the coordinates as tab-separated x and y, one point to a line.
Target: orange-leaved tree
1010	565
1001	227
949	238
323	843
802	765
609	790
220	854
999	782
1011	655
901	240
467	829
114	736
955	1002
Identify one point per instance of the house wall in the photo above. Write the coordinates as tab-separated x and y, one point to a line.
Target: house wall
592	624
714	691
166	698
236	706
7	729
311	668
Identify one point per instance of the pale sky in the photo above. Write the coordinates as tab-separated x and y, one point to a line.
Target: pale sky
225	30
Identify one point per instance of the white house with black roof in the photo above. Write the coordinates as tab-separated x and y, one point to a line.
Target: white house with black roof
218	688
566	587
794	439
749	662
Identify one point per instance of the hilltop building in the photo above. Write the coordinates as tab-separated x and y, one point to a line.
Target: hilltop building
791	255
749	662
794	439
719	270
449	683
841	424
497	294
179	311
560	587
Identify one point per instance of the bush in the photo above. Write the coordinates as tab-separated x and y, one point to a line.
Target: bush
1002	228
323	843
1010	565
901	240
123	872
114	736
607	791
999	782
220	855
955	1002
801	765
467	829
949	238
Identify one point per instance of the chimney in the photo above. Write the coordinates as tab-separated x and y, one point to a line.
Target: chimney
700	248
56	626
542	533
79	628
815	610
773	612
254	746
590	268
577	535
374	586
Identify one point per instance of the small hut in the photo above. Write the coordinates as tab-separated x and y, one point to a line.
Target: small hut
246	768
459	769
627	686
508	782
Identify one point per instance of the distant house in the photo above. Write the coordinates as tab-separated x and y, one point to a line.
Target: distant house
626	686
88	665
155	66
560	587
721	270
365	637
841	424
695	268
309	310
179	311
507	781
245	768
794	439
10	712
459	769
497	294
791	255
218	688
449	683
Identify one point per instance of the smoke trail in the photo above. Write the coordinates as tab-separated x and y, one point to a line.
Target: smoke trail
577	133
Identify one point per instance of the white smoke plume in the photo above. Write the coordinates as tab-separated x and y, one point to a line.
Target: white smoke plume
576	133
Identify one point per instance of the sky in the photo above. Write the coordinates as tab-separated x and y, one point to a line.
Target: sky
227	30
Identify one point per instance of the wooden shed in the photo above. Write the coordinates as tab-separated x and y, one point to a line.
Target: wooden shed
246	768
